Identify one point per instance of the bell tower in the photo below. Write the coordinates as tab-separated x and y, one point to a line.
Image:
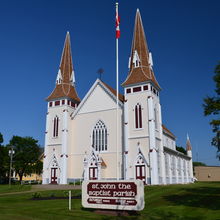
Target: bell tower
62	102
142	113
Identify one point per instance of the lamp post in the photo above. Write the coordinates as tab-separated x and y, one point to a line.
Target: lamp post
10	152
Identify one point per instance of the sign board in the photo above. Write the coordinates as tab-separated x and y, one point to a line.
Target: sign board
121	195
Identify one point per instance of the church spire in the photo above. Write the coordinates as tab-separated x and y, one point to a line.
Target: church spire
65	81
140	61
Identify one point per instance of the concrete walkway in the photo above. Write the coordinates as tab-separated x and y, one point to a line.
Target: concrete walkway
56	187
37	188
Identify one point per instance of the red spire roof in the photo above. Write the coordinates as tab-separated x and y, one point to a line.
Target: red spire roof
141	70
188	144
65	80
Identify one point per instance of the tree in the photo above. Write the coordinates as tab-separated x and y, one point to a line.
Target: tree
212	107
181	149
195	164
4	161
1	139
27	154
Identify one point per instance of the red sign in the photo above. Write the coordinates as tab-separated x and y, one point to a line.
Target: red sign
120	195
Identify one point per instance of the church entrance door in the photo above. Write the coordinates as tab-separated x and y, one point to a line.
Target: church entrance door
53	175
93	173
141	173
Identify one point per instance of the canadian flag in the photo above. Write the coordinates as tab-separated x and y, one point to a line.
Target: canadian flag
117	22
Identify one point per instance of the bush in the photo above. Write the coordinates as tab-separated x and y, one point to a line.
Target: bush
52	195
36	195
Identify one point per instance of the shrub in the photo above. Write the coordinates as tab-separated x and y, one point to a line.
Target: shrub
36	195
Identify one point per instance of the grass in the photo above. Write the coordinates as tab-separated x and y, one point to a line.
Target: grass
14	188
194	201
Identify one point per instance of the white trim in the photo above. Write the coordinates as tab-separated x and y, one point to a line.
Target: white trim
96	111
97	82
137	137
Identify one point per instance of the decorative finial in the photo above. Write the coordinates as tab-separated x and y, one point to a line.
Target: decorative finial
100	72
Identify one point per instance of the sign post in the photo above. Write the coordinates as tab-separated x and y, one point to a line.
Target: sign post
119	195
70	200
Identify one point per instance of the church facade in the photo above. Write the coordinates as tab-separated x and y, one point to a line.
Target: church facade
82	136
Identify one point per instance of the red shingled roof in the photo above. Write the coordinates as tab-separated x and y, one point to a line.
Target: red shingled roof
120	96
144	72
167	131
66	87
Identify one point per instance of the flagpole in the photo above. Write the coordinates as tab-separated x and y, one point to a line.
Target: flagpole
117	136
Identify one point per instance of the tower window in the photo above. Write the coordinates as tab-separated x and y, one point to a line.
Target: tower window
138	116
128	90
57	103
50	104
99	137
137	89
63	102
145	87
55	126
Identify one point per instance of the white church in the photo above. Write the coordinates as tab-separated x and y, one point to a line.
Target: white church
82	141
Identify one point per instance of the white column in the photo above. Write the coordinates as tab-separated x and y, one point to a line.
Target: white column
162	159
186	172
86	174
46	173
153	150
125	138
176	169
169	168
182	169
63	179
189	153
99	170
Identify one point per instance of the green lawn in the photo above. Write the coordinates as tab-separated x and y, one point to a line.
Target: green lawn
194	201
14	188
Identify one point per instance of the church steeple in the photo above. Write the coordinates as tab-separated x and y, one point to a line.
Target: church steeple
65	81
140	61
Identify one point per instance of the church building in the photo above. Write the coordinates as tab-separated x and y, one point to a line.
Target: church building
81	136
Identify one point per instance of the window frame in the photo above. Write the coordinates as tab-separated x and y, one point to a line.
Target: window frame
100	137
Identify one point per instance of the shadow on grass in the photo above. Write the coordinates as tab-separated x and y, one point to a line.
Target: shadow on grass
121	214
202	197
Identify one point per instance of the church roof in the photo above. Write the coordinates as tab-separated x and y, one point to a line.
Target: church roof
113	91
168	132
142	72
65	88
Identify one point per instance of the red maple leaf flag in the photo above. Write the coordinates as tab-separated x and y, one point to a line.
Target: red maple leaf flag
117	22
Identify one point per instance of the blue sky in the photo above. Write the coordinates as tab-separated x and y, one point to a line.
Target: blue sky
182	35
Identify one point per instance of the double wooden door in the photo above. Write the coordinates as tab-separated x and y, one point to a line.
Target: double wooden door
53	175
141	173
93	173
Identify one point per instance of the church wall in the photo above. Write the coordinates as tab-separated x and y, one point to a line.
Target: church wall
132	100
134	145
169	142
52	113
98	106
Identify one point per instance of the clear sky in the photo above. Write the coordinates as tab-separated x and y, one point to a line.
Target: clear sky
183	36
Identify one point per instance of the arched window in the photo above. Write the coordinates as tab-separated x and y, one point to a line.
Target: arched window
55	126
99	137
138	116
